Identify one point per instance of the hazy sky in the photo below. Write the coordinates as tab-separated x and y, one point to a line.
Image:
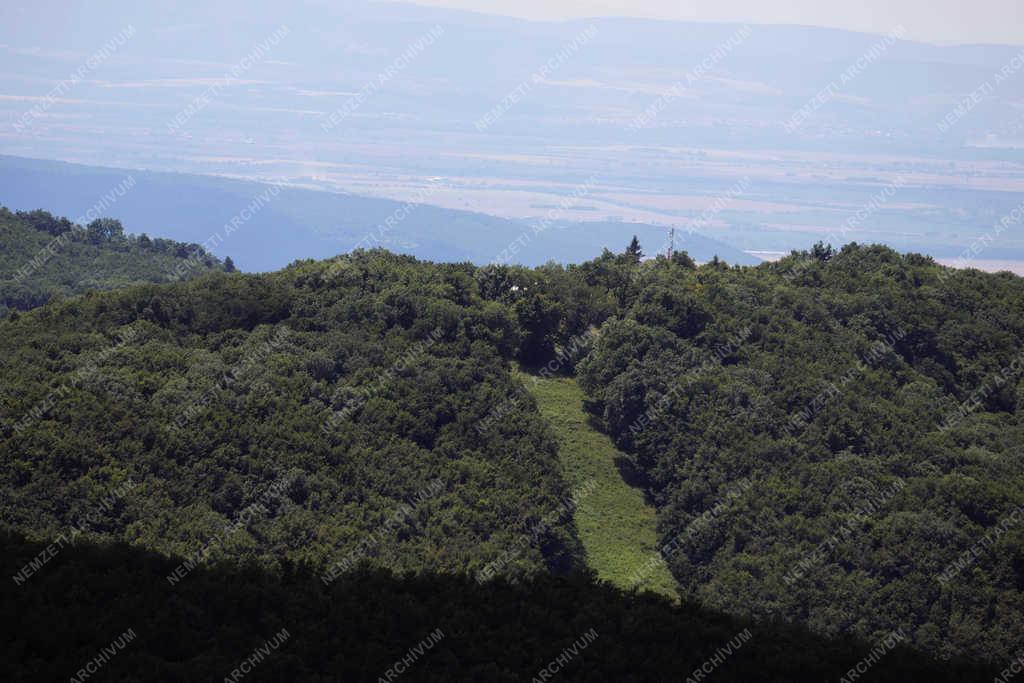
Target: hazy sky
943	21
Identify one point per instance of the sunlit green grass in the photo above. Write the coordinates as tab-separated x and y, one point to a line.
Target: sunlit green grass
615	523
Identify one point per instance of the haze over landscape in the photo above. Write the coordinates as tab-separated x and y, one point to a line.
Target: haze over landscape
764	137
469	340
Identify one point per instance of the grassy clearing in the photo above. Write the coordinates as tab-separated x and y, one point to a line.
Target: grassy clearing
615	523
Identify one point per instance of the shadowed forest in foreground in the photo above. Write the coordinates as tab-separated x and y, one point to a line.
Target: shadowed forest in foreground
357	627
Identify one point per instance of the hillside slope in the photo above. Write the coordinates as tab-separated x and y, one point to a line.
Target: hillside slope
320	413
833	439
42	257
616	526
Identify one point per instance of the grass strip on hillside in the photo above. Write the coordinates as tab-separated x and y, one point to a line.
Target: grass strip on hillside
615	523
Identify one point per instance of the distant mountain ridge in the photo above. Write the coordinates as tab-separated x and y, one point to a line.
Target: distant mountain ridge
276	225
791	62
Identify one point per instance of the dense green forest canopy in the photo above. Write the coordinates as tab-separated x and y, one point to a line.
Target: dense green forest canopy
832	439
873	404
340	407
43	257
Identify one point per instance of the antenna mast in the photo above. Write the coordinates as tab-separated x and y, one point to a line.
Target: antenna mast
671	241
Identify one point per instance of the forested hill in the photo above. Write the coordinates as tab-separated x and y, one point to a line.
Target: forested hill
854	422
322	414
833	439
42	257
